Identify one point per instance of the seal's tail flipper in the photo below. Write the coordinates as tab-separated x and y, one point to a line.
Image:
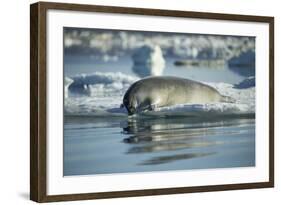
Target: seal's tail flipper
227	99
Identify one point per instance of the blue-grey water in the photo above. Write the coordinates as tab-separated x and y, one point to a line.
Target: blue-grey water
113	145
106	145
76	65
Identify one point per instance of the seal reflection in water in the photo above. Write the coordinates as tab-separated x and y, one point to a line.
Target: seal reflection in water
172	139
153	92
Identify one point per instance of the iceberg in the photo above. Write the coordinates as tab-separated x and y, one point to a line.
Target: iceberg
247	83
99	83
67	82
148	61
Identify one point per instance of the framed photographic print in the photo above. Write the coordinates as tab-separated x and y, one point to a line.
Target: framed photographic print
134	102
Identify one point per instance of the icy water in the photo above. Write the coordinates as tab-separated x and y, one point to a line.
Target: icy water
106	144
114	145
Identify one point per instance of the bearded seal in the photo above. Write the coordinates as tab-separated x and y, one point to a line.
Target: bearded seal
160	91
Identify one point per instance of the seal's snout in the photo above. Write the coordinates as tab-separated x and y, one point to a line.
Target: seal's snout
129	104
131	110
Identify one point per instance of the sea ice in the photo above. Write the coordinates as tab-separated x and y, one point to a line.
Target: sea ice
106	92
148	61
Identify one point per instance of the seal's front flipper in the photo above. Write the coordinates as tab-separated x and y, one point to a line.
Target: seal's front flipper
228	99
143	109
146	106
153	107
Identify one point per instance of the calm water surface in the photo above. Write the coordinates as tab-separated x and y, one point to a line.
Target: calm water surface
116	145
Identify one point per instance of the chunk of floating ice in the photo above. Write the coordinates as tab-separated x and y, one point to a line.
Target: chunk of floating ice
148	61
67	82
100	83
247	83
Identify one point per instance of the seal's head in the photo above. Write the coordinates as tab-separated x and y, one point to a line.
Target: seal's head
130	103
